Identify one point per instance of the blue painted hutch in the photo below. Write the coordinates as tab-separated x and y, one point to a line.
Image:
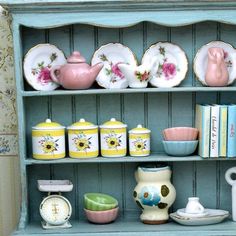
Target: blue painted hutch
85	25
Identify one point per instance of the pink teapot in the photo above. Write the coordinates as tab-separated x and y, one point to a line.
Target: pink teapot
216	72
76	74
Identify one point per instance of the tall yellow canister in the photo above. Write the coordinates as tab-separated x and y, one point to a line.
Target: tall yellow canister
139	141
113	138
48	140
83	139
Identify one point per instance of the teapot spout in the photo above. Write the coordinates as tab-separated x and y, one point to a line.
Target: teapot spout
95	69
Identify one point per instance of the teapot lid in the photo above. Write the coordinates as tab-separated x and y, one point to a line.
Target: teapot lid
48	125
76	57
139	130
82	124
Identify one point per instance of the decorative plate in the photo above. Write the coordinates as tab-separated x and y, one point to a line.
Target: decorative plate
113	54
213	217
169	64
201	60
37	64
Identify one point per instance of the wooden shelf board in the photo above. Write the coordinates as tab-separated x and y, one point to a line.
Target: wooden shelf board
160	157
128	90
131	226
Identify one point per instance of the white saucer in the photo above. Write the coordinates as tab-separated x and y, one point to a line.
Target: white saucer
181	212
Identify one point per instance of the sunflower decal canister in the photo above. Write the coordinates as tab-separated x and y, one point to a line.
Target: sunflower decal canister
48	140
113	138
139	141
83	139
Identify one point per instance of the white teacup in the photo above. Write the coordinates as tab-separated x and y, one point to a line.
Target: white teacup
194	206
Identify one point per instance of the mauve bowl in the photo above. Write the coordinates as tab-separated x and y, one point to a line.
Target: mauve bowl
99	202
180	134
180	148
102	217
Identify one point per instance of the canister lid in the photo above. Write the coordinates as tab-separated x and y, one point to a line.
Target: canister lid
47	125
139	130
113	123
82	124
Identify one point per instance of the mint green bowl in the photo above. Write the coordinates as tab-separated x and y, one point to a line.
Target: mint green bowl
99	202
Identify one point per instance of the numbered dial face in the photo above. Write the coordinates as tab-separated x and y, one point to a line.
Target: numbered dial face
55	210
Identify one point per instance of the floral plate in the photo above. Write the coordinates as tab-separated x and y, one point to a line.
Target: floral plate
201	59
113	54
37	64
169	64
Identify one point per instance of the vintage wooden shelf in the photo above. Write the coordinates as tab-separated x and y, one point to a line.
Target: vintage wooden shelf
85	26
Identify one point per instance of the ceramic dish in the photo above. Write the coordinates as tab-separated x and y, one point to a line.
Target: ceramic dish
180	148
201	60
169	64
102	217
214	217
180	134
37	64
182	212
55	185
99	201
111	55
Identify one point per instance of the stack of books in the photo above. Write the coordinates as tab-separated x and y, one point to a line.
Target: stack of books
216	125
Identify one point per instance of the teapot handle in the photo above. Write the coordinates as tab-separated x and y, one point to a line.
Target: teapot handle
53	74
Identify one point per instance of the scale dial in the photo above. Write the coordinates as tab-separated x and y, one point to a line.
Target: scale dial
55	209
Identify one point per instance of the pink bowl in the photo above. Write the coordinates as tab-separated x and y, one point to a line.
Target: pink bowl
180	134
102	217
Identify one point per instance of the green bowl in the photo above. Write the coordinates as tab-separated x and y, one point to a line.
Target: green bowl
99	202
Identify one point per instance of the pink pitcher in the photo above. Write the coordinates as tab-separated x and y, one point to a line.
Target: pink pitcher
217	73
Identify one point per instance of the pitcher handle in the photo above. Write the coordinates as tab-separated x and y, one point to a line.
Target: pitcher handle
53	74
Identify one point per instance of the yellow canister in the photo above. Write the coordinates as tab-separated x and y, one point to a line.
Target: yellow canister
48	140
83	139
113	138
139	141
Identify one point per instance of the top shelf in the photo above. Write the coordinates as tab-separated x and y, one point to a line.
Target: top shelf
128	90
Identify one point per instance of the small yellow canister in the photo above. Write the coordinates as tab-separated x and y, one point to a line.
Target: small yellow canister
83	139
139	141
113	138
48	140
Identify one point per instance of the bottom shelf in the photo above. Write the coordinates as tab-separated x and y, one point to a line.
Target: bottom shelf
131	226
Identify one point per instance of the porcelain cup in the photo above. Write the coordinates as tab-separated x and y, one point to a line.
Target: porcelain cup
194	206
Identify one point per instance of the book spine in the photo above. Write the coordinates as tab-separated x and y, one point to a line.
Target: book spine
231	131
214	132
202	123
223	131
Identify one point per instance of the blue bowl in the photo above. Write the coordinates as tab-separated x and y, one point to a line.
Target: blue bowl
180	148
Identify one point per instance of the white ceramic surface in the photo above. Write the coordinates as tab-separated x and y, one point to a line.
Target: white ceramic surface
37	64
55	185
169	64
194	206
201	60
214	217
111	55
182	212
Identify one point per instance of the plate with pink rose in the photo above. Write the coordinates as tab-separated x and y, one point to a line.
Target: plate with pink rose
37	64
111	55
169	64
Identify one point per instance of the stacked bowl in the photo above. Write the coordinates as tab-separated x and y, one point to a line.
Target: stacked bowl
180	141
100	208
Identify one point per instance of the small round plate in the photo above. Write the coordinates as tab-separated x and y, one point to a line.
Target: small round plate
111	55
215	216
201	60
169	64
37	64
181	212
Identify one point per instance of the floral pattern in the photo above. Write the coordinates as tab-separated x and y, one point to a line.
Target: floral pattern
43	71
142	77
82	142
113	71
166	68
113	140
227	61
140	144
8	124
48	144
149	195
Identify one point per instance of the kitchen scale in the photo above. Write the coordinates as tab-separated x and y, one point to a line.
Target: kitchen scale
55	209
